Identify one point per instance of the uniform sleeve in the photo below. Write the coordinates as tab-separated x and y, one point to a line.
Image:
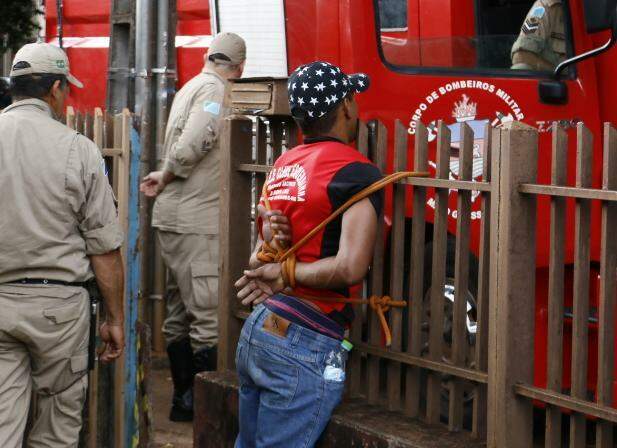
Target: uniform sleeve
98	216
536	31
199	134
352	179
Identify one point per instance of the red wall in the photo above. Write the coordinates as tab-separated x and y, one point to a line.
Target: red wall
87	19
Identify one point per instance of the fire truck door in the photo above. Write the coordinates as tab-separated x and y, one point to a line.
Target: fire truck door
452	60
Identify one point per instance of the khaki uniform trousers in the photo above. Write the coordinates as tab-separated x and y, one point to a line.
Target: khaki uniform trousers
192	291
43	345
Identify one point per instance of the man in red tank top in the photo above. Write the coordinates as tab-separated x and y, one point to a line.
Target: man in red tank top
291	352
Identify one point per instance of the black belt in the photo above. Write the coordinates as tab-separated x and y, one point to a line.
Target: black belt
46	281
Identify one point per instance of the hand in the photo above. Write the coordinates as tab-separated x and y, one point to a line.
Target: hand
275	224
260	284
113	336
153	184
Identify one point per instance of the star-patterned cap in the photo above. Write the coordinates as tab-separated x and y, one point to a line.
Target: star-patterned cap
317	88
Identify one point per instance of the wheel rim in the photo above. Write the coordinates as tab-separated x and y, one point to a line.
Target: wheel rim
448	298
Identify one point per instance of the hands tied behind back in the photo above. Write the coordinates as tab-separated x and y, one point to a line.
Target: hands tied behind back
257	285
276	226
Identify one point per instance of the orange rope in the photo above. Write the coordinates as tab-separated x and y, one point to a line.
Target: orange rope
274	253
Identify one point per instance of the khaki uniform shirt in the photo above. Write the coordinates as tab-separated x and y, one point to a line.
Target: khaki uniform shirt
56	205
542	34
190	203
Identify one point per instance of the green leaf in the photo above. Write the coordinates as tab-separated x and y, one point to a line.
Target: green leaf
17	23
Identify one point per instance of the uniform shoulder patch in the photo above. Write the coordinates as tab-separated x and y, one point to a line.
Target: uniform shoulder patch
538	12
212	107
530	26
532	22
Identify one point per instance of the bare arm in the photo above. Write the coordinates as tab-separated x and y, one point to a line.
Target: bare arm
354	256
347	268
109	273
168	177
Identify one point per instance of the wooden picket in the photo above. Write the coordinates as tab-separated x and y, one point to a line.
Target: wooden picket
479	418
397	269
556	285
461	268
414	328
377	149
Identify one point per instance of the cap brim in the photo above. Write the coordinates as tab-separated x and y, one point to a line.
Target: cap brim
76	82
360	82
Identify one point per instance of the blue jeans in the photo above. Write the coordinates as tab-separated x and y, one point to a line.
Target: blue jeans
284	399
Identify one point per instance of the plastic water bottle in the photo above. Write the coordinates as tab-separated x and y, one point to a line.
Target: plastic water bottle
335	363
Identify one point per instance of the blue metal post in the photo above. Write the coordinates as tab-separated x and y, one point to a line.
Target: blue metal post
133	276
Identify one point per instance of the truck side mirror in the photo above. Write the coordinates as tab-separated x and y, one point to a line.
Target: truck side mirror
553	92
599	14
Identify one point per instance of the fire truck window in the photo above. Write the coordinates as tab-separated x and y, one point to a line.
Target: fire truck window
414	33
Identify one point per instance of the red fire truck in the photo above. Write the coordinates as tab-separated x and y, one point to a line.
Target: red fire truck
429	60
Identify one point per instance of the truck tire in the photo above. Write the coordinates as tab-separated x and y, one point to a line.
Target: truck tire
447	337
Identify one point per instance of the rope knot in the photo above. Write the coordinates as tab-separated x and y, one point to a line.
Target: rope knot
273	253
269	253
383	303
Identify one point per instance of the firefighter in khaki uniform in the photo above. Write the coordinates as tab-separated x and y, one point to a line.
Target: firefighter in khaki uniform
58	229
186	214
541	45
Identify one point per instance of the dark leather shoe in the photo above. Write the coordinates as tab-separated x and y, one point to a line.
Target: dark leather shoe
182	407
179	415
182	373
204	360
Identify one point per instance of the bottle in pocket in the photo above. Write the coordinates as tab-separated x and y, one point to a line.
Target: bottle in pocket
335	362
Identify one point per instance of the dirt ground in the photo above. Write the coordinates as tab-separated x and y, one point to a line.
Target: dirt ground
166	434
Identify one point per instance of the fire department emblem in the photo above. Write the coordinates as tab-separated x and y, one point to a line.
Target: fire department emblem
465	111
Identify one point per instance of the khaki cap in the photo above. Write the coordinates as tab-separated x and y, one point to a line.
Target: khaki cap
42	58
231	46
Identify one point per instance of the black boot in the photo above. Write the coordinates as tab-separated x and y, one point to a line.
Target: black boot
182	372
204	360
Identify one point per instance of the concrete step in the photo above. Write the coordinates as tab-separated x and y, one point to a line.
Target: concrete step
354	423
